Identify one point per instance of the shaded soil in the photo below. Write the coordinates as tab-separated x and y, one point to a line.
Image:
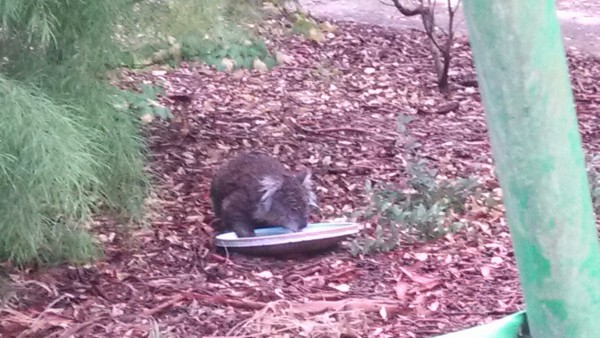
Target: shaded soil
334	110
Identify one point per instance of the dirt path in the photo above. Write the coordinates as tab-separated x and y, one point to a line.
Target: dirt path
579	19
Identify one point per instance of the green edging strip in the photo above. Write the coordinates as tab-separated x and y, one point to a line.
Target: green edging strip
507	327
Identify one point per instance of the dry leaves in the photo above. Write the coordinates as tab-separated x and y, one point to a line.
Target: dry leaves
333	111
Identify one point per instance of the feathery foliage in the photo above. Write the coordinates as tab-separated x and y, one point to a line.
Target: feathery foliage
46	177
66	148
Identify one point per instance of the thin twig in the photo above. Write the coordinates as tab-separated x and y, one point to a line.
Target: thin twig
409	12
75	329
161	307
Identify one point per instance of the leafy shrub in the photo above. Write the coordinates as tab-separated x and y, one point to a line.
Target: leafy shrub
243	53
145	102
207	31
427	207
424	209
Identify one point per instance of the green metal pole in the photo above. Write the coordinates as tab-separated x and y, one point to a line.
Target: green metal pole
523	77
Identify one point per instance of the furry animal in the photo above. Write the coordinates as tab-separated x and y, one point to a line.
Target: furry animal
255	190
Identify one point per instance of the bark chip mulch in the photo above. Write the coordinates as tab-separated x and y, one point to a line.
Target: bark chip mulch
333	109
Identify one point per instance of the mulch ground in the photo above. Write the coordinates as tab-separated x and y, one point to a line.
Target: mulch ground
333	110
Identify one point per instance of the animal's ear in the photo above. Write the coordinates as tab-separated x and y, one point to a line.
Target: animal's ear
312	199
305	176
268	186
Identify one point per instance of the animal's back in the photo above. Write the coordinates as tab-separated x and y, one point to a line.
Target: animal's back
254	189
242	173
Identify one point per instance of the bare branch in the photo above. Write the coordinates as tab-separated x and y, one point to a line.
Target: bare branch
456	7
440	48
429	25
441	29
385	3
420	10
451	15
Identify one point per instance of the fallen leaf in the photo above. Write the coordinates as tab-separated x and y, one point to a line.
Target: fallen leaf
401	288
497	260
283	58
259	65
265	274
228	64
316	35
485	271
427	282
421	256
147	118
340	287
383	313
159	72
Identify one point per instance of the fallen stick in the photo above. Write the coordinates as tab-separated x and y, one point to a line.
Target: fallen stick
162	306
242	304
452	106
213	300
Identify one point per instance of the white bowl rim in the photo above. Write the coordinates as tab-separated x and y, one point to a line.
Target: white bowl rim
338	229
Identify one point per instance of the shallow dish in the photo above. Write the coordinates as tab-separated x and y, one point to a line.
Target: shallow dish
279	240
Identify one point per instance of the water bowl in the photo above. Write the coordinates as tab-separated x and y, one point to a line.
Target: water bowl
279	240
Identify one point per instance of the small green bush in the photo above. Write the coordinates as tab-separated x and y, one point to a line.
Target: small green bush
207	31
144	101
422	210
242	52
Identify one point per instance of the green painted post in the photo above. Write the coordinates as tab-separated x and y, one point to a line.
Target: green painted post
522	72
